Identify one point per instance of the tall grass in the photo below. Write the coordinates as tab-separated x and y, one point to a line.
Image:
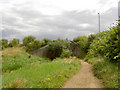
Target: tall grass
14	62
46	75
106	71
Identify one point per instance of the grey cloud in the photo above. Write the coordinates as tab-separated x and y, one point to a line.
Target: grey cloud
10	34
66	25
103	1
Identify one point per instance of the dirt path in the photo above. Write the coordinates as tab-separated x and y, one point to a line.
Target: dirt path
84	78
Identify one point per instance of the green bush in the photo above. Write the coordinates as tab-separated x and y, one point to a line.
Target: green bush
106	44
14	42
36	44
82	41
106	71
55	48
65	53
46	41
28	40
3	43
90	40
64	43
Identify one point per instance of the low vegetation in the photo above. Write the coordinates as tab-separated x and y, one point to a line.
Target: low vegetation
21	70
17	61
104	54
106	71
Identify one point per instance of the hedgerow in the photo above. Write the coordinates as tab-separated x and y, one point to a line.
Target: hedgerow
105	44
82	41
14	42
3	43
55	48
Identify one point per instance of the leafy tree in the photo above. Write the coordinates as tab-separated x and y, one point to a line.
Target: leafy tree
4	43
82	41
64	43
28	40
36	44
66	53
106	44
14	42
46	41
90	39
55	48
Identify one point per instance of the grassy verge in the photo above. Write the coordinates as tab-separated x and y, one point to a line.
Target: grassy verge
106	71
14	62
46	75
16	58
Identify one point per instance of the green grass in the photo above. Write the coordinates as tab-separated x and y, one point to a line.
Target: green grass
20	71
16	61
45	75
106	71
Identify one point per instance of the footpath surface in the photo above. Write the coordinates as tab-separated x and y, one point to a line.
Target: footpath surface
84	78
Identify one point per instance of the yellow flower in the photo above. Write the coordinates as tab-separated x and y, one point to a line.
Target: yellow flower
10	85
48	79
59	75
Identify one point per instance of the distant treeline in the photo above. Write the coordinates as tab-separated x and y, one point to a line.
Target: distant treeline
56	48
105	44
27	41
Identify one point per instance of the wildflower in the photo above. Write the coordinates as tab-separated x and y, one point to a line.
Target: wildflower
59	75
48	79
10	85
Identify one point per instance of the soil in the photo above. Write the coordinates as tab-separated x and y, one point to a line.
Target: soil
84	78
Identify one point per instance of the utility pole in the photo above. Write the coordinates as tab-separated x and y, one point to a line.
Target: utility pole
99	21
119	13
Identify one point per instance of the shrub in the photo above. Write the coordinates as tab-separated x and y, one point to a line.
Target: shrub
28	40
65	44
55	48
46	41
90	40
14	42
106	44
3	43
36	44
82	41
65	53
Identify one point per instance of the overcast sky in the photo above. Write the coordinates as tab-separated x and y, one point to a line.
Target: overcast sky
55	18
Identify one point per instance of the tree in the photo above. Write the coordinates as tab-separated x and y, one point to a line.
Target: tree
4	43
54	50
82	41
28	40
14	42
56	47
66	53
36	44
46	41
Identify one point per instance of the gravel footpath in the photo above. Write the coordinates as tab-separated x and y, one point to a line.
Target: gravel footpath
84	78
